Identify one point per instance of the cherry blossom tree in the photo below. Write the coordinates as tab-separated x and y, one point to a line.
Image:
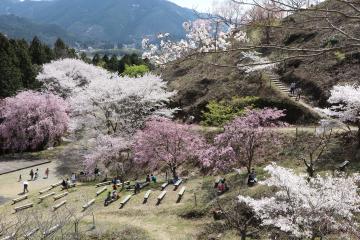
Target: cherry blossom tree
111	155
104	101
32	121
345	101
164	143
202	37
243	140
308	208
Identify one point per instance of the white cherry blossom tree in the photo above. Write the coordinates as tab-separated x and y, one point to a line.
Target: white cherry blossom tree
308	208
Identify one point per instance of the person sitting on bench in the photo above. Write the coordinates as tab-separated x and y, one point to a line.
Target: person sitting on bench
64	184
107	199
153	178
114	187
148	178
252	180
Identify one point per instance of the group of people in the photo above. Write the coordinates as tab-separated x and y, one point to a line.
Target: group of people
34	175
112	195
295	91
151	178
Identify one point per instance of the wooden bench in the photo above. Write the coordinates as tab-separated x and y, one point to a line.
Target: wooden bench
182	191
161	197
11	237
23	207
16	200
51	230
45	190
146	196
101	191
164	185
125	200
57	197
144	185
46	196
57	206
56	184
177	184
89	203
343	166
103	184
31	233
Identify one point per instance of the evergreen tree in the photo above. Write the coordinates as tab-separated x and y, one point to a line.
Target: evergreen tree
49	54
105	59
37	52
60	49
28	73
112	64
96	59
10	76
121	67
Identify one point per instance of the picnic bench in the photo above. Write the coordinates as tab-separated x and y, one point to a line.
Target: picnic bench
103	184
16	200
23	207
181	193
161	197
56	184
101	191
57	197
343	166
177	184
146	196
125	200
11	237
164	185
143	185
88	204
31	233
46	196
57	206
45	190
51	230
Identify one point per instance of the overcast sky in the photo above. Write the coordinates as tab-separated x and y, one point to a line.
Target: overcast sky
202	5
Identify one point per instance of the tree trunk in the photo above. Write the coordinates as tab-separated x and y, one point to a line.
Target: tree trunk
173	171
358	134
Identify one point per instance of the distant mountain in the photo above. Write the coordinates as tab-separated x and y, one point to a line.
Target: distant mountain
125	21
18	27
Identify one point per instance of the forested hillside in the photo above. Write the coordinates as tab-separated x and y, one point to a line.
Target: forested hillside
125	21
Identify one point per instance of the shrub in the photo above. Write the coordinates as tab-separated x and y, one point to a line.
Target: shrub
135	70
31	121
219	113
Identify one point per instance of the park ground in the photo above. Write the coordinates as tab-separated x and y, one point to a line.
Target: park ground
188	219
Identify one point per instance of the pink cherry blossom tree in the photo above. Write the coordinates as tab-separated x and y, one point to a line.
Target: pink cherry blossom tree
243	140
111	155
164	143
306	208
32	121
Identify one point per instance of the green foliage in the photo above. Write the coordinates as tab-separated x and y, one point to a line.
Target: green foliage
135	70
340	56
20	62
219	113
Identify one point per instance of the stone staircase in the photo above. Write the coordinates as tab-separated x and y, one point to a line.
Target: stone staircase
277	84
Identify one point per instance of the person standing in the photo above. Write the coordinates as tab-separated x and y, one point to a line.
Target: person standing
292	88
20	178
26	185
47	172
31	174
36	174
298	94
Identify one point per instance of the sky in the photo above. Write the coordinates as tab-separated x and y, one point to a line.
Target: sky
200	5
